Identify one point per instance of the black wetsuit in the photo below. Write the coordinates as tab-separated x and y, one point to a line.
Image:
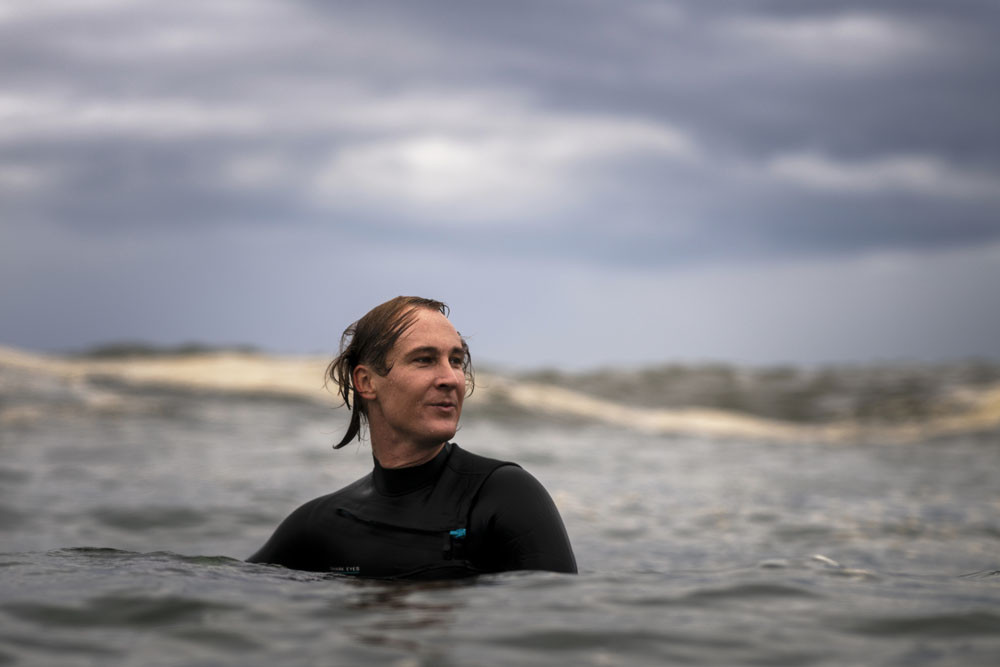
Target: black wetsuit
457	515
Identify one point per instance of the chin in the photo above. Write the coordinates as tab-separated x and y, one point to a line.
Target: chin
442	434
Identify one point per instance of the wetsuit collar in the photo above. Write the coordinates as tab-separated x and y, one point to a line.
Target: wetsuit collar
399	481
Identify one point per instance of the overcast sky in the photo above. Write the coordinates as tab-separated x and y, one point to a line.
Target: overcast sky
584	182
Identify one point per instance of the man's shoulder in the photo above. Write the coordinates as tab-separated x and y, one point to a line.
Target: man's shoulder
466	462
514	479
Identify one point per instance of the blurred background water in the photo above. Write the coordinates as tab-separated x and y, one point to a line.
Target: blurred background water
124	522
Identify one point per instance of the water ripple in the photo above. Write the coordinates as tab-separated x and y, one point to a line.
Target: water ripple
959	624
115	610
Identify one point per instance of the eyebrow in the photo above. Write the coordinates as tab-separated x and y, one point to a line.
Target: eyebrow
430	349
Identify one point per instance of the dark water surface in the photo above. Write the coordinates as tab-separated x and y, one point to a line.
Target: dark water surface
122	531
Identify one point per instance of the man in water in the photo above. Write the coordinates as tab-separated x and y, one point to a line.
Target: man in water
429	509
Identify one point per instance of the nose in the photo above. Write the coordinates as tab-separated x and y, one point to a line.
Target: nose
448	376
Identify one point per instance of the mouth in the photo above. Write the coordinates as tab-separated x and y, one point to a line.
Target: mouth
444	405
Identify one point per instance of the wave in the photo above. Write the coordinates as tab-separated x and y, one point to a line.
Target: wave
30	383
983	415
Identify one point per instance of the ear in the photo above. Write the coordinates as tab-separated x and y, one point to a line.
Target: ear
362	379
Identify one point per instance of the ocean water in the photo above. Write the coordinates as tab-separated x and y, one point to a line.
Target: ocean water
123	525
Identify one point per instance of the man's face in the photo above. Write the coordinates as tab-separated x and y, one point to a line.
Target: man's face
420	399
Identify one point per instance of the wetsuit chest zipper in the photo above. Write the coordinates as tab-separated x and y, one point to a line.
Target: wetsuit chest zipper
454	540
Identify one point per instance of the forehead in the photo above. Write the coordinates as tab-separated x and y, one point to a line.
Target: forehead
429	328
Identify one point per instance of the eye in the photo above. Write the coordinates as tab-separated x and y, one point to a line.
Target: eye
457	362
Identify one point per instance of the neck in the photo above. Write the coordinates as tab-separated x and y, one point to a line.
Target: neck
394	449
403	455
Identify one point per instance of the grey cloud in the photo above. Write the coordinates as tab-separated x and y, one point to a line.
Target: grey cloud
216	114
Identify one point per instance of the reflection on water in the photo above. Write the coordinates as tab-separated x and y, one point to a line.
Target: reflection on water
387	613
